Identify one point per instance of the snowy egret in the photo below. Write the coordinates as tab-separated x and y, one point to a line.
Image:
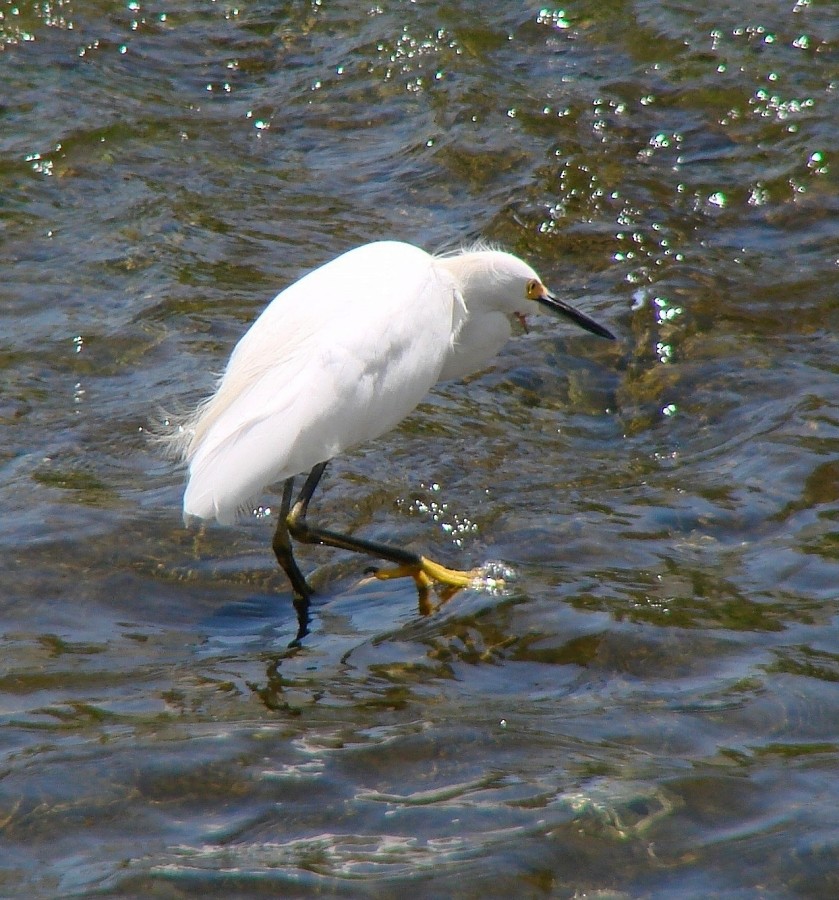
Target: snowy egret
337	359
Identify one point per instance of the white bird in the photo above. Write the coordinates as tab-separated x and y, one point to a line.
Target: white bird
336	360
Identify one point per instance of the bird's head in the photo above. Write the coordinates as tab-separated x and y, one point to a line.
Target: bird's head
508	284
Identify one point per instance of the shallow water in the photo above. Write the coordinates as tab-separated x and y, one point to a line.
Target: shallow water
650	709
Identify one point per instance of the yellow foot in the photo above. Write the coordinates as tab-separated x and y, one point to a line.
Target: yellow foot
427	573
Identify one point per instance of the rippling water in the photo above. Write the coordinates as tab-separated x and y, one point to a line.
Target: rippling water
651	708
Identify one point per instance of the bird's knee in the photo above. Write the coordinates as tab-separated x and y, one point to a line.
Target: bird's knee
297	526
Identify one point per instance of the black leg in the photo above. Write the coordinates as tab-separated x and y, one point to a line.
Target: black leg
285	557
302	531
407	563
282	545
293	524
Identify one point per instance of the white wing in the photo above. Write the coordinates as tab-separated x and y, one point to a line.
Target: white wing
336	359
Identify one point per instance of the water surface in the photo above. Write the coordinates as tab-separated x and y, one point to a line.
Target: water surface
650	710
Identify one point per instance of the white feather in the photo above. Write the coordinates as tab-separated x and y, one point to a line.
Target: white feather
341	356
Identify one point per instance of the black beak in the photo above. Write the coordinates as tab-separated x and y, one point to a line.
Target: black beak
559	306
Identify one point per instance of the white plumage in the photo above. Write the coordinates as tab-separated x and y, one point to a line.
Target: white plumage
344	354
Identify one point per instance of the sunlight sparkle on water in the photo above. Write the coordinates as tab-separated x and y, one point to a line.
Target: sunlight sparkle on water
494	577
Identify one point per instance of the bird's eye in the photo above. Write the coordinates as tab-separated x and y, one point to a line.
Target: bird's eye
534	289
